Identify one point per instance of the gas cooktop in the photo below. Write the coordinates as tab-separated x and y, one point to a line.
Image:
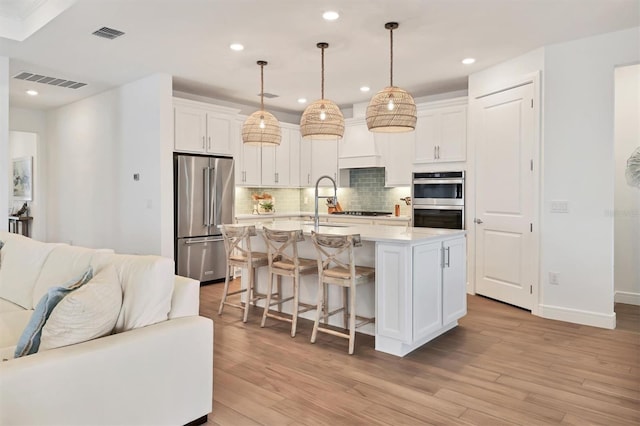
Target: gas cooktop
363	213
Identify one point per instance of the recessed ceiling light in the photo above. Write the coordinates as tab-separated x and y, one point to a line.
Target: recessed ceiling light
365	89
302	100
236	46
330	15
32	92
468	61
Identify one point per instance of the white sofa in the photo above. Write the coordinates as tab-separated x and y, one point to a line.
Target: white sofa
156	368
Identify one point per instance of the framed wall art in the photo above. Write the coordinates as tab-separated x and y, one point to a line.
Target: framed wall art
22	178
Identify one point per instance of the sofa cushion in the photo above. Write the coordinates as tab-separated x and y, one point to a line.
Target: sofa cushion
147	287
66	262
29	341
11	326
22	260
85	314
6	306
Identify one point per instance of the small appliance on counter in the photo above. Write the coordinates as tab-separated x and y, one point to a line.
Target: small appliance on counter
204	198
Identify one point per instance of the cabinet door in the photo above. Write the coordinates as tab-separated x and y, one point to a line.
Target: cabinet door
393	292
190	128
453	134
282	170
397	151
251	166
219	135
324	157
305	162
427	289
268	162
294	157
454	280
427	136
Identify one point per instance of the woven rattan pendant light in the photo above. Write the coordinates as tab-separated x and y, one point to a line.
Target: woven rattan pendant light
322	119
391	110
261	127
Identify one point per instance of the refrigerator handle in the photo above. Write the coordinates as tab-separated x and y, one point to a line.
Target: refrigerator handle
214	194
206	196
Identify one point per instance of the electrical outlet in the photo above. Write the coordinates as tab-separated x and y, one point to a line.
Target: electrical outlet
559	206
554	278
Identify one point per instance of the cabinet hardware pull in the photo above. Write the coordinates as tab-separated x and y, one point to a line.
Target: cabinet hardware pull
203	143
442	257
448	257
435	154
478	221
209	143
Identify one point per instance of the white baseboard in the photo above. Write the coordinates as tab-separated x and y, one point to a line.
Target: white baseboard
627	297
594	319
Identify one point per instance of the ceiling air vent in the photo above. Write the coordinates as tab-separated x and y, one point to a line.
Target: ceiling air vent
106	32
53	81
269	95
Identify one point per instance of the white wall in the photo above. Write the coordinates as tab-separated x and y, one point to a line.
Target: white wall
95	147
577	91
579	167
4	142
626	211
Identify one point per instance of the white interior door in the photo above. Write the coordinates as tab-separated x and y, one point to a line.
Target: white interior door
505	248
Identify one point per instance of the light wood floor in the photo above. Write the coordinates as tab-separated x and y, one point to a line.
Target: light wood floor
501	366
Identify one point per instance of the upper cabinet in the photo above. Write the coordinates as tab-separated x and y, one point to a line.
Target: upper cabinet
318	157
441	131
269	166
203	128
397	151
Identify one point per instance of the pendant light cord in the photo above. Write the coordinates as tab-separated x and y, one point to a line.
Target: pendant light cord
391	61
322	80
261	87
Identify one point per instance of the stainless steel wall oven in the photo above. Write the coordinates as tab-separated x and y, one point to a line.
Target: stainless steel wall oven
438	200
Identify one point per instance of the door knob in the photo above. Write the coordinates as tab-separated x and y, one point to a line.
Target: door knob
478	221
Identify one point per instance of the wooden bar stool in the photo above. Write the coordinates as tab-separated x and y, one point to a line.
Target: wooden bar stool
282	252
332	270
237	244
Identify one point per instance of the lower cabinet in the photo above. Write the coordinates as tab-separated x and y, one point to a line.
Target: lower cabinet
421	291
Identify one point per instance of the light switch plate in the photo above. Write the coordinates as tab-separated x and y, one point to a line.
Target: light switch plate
559	206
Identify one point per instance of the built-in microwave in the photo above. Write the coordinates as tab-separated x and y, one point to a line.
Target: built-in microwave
438	199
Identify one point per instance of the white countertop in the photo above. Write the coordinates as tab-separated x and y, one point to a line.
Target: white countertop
333	216
378	233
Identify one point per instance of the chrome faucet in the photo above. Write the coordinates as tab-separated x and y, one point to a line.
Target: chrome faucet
316	219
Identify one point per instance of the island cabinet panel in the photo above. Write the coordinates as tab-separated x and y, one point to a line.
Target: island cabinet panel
427	291
393	291
454	279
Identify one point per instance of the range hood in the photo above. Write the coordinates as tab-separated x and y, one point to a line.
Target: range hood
358	148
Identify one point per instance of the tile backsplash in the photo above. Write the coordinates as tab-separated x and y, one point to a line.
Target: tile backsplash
366	192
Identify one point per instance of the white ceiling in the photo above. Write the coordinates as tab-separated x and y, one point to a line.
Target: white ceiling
190	39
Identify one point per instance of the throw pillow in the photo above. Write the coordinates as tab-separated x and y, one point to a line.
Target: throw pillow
85	314
29	341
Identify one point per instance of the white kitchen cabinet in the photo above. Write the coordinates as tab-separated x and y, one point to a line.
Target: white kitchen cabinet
275	162
454	294
413	311
294	155
441	132
203	128
397	152
248	165
318	157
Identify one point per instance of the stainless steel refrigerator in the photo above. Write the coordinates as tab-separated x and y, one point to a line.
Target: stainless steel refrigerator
204	195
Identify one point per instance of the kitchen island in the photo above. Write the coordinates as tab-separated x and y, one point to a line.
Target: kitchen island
420	282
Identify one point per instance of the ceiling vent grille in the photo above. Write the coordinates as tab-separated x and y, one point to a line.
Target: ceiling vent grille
269	95
52	81
106	32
